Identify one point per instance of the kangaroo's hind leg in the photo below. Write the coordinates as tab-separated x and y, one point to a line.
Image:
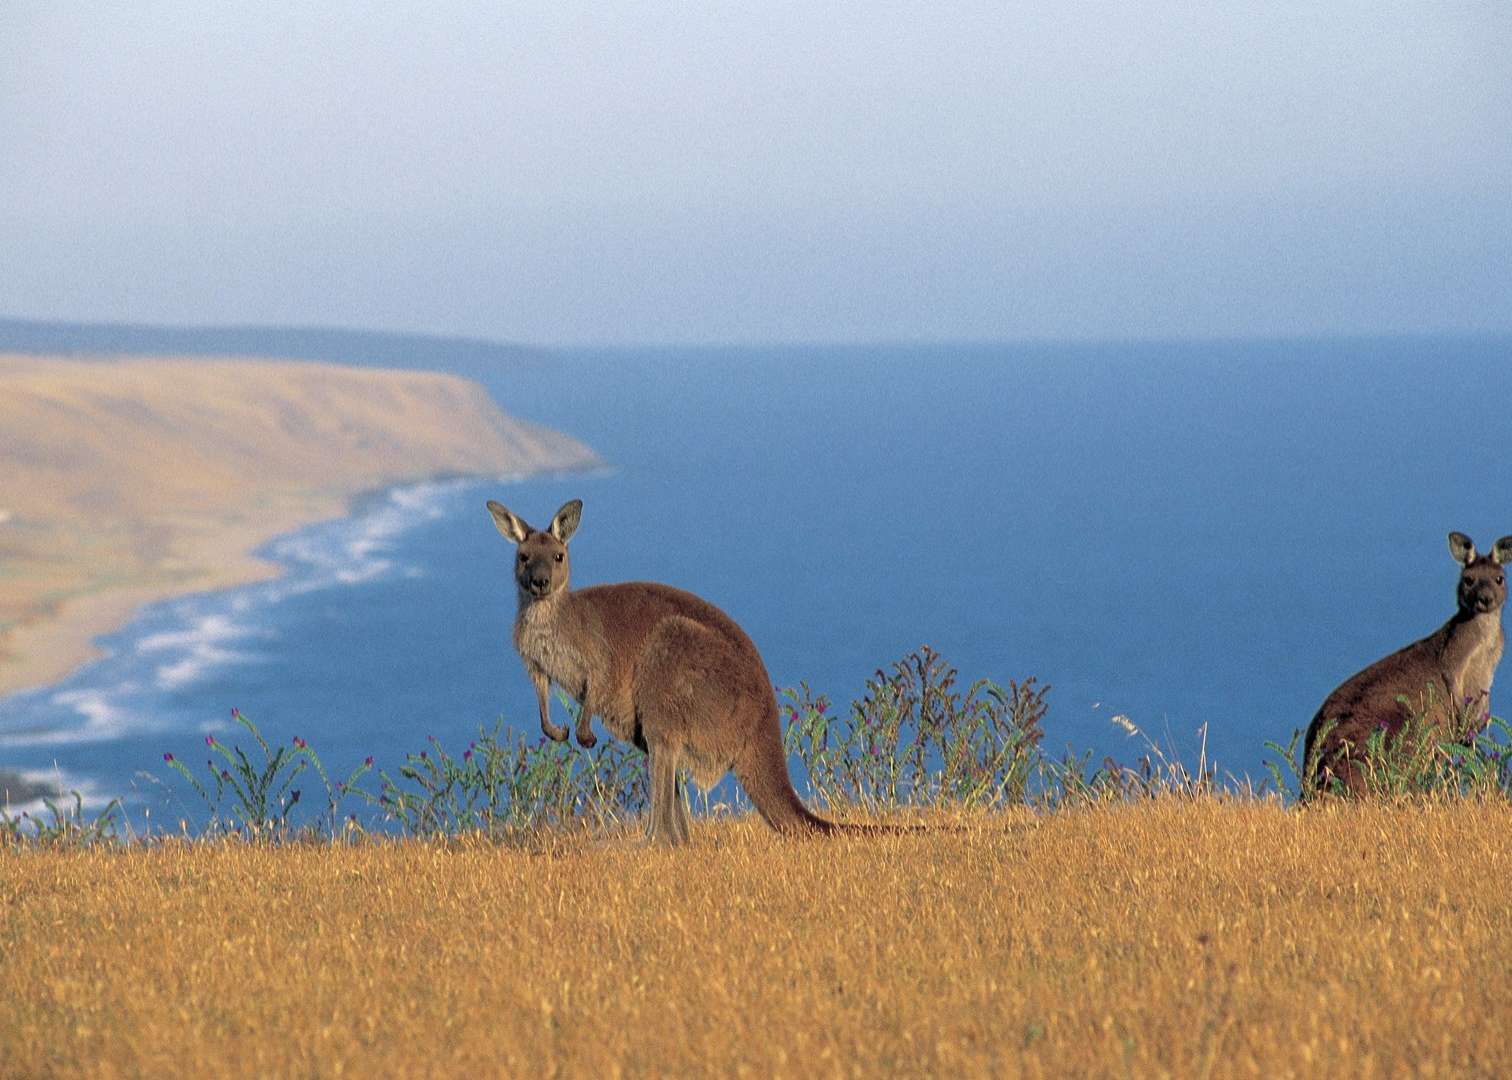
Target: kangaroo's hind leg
668	821
684	699
680	809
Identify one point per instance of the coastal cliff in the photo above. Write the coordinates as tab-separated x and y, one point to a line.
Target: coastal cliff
127	481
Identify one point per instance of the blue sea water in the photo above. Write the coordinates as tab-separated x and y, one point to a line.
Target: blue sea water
1187	535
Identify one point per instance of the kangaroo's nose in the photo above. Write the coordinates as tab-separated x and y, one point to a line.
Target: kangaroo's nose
539	583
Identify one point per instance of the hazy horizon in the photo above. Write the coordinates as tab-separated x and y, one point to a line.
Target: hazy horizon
791	174
252	330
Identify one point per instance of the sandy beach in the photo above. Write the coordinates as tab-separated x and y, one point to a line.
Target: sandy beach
128	482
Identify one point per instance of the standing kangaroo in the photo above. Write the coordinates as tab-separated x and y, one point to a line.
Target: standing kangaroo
1445	677
662	668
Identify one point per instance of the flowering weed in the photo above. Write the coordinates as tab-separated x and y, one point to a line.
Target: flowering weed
917	739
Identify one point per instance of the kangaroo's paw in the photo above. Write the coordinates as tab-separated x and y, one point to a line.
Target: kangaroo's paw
586	738
554	732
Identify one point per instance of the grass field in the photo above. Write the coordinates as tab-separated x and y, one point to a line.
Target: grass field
1155	937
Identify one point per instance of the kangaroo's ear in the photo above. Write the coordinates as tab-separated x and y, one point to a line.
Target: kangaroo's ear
566	521
512	527
1462	548
1501	551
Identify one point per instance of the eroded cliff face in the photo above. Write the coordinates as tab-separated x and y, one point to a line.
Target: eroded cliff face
127	480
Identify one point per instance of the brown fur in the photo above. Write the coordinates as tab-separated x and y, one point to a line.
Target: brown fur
1445	677
662	669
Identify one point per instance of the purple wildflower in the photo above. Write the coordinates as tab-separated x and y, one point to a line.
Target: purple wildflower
235	713
300	743
821	706
293	796
209	740
167	757
368	761
225	774
467	755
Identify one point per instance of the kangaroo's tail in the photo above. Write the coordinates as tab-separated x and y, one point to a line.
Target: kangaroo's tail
762	771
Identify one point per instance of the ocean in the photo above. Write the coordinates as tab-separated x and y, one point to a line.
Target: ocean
1197	536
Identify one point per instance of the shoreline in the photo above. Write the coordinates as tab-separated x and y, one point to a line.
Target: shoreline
55	645
143	480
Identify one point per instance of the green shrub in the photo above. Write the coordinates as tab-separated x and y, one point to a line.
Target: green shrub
62	826
916	739
506	786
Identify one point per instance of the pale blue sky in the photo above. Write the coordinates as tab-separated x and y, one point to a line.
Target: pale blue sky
647	172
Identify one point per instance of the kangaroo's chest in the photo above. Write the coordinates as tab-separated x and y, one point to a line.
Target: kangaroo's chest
544	647
573	653
1480	664
1481	658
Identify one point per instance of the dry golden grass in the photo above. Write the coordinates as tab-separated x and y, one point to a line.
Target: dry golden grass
129	480
1167	938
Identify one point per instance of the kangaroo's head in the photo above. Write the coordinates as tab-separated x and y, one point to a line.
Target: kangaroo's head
541	563
1482	583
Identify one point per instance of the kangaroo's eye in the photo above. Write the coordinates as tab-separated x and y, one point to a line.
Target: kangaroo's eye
559	556
1499	579
523	556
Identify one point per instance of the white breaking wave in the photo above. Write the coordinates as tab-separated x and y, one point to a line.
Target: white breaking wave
99	715
199	647
360	549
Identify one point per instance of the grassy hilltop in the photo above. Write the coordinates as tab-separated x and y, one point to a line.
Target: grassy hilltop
1183	937
1047	919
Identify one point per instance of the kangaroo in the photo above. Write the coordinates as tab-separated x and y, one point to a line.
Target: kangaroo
1446	676
662	668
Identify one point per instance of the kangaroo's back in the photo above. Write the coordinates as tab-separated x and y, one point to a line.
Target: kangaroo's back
629	613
